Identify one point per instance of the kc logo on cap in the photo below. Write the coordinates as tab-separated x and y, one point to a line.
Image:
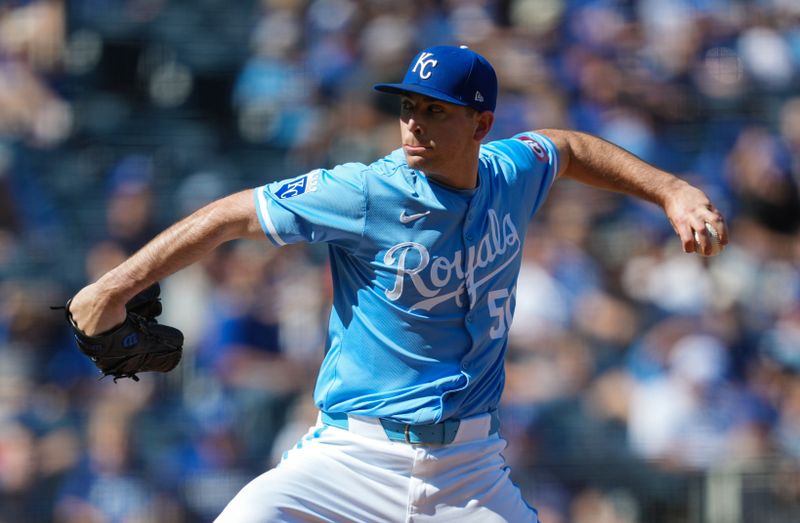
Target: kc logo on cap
423	62
457	75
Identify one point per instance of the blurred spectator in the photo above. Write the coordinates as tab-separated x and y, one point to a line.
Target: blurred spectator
17	472
106	485
243	348
31	41
129	215
274	95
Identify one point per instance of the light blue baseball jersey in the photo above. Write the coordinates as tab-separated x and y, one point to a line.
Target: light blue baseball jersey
424	276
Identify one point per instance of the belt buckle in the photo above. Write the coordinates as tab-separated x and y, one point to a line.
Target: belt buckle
407	433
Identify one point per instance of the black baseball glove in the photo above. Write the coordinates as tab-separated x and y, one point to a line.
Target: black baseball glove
139	344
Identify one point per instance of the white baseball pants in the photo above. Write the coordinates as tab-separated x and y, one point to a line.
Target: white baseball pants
338	475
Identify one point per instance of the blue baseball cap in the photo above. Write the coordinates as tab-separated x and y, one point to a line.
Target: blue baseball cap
452	74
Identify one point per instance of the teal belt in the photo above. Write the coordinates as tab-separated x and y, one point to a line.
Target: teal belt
437	433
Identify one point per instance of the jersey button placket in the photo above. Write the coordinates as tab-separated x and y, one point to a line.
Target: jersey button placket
468	225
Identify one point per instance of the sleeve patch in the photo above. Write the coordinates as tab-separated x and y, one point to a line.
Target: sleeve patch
300	185
538	151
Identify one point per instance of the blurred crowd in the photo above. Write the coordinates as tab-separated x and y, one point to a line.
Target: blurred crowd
636	374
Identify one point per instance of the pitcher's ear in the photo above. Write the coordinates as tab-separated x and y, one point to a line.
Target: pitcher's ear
484	123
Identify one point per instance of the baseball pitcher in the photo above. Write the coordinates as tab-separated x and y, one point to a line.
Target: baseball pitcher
425	247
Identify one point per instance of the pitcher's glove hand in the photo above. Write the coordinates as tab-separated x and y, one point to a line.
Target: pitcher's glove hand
139	344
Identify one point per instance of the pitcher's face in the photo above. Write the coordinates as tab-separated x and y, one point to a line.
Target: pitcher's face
436	134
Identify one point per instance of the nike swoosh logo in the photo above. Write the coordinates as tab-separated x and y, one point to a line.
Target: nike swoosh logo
408	218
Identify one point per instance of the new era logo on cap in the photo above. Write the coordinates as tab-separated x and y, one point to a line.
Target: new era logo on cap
453	74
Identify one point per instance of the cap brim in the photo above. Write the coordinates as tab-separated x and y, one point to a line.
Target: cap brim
417	89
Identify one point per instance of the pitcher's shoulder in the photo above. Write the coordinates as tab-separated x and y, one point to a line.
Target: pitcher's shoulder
390	165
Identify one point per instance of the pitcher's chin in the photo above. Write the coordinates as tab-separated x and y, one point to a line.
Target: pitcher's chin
416	161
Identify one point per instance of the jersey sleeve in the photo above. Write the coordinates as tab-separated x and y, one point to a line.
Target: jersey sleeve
530	163
320	206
